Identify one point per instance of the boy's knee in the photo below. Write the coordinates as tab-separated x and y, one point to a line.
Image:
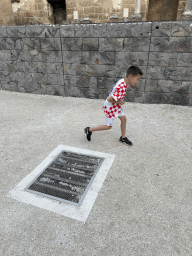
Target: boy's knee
123	118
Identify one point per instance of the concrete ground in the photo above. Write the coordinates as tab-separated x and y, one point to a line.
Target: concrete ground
144	207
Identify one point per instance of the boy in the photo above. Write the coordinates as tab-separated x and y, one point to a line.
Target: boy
112	106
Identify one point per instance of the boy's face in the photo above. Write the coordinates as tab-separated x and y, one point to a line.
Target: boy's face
134	79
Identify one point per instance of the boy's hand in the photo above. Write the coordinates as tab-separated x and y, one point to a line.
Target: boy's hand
121	102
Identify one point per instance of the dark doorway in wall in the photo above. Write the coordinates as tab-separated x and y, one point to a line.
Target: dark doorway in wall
162	10
59	10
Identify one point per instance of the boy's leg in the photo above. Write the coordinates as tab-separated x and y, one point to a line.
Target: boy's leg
123	125
100	128
124	139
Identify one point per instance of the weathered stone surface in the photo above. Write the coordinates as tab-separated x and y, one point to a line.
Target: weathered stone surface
67	31
125	59
50	44
161	29
137	29
16	31
90	70
12	66
52	89
184	59
162	86
111	44
3	32
156	72
42	31
170	44
136	44
183	29
134	96
162	59
165	98
90	44
45	56
105	85
81	86
90	30
9	86
12	44
178	73
70	69
72	56
72	44
98	58
31	44
5	55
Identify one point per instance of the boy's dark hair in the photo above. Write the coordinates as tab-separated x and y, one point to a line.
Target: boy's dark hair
134	70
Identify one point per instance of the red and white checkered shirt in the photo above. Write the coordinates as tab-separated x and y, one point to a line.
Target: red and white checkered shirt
112	110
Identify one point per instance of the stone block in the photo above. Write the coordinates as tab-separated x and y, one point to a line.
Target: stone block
50	44
136	44
90	30
90	44
56	90
170	44
31	67
9	86
72	44
184	59
13	43
90	70
3	31
111	44
31	44
3	44
81	86
162	86
5	55
134	96
56	79
98	58
181	29
5	76
49	68
114	71
16	31
166	98
162	59
105	85
131	29
178	73
72	56
19	55
161	29
125	59
70	69
178	87
156	72
12	66
45	56
37	31
67	30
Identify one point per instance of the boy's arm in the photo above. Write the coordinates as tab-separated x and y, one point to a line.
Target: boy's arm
112	100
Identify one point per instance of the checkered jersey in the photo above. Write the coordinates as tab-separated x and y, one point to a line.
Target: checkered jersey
112	110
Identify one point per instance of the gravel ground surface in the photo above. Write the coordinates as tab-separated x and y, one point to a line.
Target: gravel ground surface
144	206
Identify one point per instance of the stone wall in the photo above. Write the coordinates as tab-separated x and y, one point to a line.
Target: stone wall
86	60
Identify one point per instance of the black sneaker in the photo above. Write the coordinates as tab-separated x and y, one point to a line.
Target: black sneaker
87	133
125	141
